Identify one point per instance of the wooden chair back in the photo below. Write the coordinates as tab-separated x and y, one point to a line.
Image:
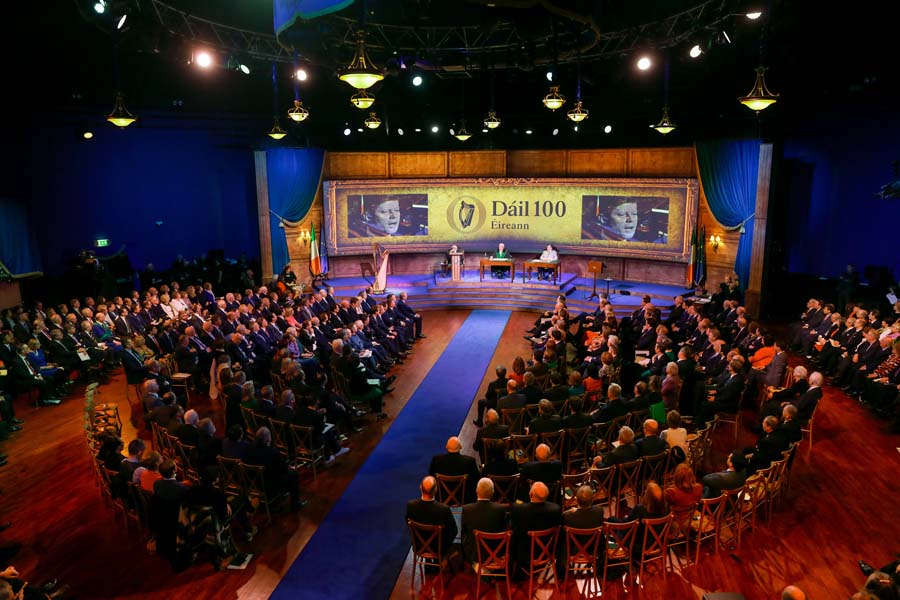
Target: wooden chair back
231	480
543	555
654	469
705	523
554	439
581	550
493	447
569	487
451	489
492	550
655	543
628	483
577	444
619	546
505	488
603	480
514	418
521	447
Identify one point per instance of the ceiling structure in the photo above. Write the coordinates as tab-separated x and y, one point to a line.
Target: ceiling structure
471	54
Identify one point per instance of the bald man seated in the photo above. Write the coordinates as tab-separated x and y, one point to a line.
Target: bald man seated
792	592
542	469
492	430
651	443
454	463
428	511
536	515
481	515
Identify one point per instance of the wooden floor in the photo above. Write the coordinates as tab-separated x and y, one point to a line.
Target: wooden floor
841	507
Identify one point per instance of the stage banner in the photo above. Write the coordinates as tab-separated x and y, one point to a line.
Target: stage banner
642	218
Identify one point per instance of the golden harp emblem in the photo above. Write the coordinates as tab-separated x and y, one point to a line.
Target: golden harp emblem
466	212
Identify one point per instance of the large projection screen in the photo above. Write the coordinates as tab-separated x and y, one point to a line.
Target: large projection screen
640	218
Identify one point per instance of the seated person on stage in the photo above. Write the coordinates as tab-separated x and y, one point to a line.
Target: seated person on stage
501	253
548	255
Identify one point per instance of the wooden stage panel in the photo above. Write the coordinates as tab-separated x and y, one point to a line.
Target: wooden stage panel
478	163
356	165
661	162
657	272
597	163
536	163
418	164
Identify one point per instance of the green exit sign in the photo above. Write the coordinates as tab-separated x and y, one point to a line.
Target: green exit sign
102	243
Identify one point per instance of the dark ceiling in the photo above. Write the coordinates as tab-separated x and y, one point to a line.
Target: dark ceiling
819	60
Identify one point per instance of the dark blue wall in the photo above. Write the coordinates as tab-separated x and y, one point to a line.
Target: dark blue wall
199	183
834	165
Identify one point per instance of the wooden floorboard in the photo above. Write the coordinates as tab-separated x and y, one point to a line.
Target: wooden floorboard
841	507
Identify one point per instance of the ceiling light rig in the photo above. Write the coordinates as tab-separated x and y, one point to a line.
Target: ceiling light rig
373	122
361	73
554	100
362	100
759	98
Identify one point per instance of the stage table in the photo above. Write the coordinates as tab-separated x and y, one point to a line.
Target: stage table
530	265
498	262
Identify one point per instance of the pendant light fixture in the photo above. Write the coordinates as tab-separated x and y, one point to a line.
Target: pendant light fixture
462	135
665	125
492	121
373	122
120	117
298	113
577	114
362	100
361	73
554	99
276	133
759	98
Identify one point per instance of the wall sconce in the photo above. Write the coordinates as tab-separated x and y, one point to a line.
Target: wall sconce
714	241
304	238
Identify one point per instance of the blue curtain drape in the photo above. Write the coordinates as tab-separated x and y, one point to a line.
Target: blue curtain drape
18	249
293	178
728	172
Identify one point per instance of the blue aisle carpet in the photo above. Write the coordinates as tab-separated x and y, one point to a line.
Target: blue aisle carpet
358	550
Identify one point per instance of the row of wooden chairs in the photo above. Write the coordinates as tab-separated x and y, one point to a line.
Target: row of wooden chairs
295	442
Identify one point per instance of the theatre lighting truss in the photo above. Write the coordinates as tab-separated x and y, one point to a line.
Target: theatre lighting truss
498	45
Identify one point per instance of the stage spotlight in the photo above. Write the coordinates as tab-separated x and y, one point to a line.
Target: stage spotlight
556	132
417	80
452	131
399	131
244	69
435	129
549	75
204	59
347	131
754	15
87	135
121	22
695	51
644	63
607	129
359	129
301	74
100	7
418	130
575	128
484	130
528	131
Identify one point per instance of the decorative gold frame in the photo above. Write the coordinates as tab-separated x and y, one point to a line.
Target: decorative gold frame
340	245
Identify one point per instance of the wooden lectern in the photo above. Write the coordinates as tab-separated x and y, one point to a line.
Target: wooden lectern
595	267
456	265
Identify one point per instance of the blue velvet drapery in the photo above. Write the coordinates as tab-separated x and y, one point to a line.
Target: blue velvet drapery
18	249
728	173
293	177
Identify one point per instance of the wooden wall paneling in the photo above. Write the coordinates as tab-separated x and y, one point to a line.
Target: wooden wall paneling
262	212
477	163
536	163
657	272
577	263
10	295
357	165
417	164
405	264
760	221
661	162
597	163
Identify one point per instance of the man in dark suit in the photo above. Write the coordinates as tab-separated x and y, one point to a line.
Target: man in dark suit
428	511
188	432
577	418
407	312
167	496
731	478
482	515
547	421
586	516
773	373
536	515
494	390
651	443
768	447
728	393
454	463
790	426
24	377
615	406
279	476
512	399
558	391
625	451
542	468
807	402
492	430
532	392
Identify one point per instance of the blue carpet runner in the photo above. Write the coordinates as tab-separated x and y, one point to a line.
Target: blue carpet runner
358	550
